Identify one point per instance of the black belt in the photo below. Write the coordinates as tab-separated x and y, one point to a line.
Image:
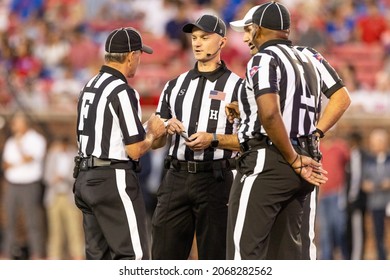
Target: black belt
92	162
201	166
258	143
307	143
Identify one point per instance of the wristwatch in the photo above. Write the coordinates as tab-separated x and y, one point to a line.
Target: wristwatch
215	142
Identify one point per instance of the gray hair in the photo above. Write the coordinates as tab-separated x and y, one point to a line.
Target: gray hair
115	57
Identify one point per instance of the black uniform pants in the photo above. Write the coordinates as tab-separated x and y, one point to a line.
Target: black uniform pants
191	203
114	216
265	207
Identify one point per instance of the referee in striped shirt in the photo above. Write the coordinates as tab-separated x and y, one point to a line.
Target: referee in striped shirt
309	250
279	135
193	195
111	139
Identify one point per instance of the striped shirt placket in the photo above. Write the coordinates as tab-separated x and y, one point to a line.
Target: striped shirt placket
188	98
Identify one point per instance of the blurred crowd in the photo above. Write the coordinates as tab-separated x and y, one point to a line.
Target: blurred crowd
49	48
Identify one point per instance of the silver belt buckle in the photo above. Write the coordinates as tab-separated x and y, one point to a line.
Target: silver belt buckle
191	167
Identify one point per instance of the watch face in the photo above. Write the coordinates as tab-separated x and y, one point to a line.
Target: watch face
214	143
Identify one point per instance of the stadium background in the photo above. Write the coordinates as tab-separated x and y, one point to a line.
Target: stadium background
49	48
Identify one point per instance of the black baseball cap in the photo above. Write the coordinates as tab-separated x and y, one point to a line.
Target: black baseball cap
125	39
208	23
272	15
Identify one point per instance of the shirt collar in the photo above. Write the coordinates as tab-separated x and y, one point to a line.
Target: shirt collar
275	42
114	72
211	76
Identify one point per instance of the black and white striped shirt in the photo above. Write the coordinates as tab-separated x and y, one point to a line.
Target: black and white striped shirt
300	75
198	100
109	116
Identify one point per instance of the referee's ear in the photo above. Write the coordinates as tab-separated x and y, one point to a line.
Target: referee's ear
129	57
223	42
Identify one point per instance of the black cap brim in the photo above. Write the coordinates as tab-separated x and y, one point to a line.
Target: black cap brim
189	26
147	49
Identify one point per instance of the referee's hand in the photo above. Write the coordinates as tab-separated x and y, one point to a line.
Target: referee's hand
174	126
232	111
310	170
199	141
155	126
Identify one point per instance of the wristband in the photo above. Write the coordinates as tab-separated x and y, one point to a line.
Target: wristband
320	132
291	164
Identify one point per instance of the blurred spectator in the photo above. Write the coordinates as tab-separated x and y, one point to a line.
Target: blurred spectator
81	24
385	36
30	95
383	76
231	8
93	7
65	232
70	13
236	52
65	91
311	33
203	2
5	51
4	15
371	26
23	157
25	64
221	8
117	11
155	172
71	25
22	76
175	24
83	51
26	9
347	72
356	198
155	14
52	51
376	183
332	201
310	25
341	23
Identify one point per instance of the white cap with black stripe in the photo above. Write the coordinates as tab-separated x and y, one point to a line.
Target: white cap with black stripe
238	25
